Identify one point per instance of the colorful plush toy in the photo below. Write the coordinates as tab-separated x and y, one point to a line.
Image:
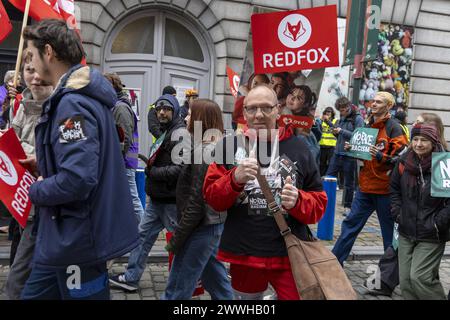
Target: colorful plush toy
385	47
389	84
362	93
397	49
406	40
389	60
370	92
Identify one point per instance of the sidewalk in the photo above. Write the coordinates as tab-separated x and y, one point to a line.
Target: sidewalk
364	257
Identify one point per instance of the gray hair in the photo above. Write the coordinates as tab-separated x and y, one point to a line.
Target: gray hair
9	76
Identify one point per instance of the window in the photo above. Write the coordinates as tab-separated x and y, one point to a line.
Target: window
180	42
136	37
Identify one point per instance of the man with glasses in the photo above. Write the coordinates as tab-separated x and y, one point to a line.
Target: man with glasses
251	241
160	185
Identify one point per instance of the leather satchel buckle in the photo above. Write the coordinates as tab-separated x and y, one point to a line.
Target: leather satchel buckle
285	232
273	208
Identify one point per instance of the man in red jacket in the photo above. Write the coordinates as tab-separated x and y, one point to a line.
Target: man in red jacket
251	241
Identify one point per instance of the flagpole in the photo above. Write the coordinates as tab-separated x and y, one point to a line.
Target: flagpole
20	51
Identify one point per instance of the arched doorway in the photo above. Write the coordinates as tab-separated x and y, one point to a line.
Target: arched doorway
152	49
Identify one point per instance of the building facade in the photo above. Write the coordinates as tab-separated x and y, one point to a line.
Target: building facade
185	43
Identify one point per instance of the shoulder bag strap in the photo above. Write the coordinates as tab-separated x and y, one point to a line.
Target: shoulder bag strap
274	208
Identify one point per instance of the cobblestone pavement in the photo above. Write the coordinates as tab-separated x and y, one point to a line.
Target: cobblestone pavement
154	279
155	276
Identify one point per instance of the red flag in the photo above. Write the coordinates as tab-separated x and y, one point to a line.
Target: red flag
15	180
5	23
234	79
39	9
52	9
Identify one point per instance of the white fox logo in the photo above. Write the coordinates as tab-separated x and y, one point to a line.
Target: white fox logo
294	31
7	171
4	168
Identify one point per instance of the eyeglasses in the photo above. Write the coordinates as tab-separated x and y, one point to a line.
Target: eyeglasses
266	110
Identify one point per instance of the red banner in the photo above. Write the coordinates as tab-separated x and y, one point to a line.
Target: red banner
39	9
15	180
296	121
234	79
295	40
5	23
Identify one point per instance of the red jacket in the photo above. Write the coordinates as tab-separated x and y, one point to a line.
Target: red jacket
221	192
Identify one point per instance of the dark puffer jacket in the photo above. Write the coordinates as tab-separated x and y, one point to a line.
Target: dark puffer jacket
162	176
420	216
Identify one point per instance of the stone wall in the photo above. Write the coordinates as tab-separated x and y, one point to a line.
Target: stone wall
226	24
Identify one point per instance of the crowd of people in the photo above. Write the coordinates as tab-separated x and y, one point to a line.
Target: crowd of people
80	135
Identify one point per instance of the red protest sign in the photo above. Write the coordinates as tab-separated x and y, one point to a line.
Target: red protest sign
5	23
296	121
15	180
295	40
234	79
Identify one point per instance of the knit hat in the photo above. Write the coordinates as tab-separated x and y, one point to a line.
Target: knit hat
427	131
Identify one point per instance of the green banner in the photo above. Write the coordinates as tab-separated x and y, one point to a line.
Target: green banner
355	16
440	178
372	30
361	141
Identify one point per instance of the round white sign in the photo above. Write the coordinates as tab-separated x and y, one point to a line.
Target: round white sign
294	30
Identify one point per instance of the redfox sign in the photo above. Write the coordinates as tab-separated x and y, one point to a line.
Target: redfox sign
15	180
295	40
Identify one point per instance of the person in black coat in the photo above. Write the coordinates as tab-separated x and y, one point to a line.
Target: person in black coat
196	239
424	220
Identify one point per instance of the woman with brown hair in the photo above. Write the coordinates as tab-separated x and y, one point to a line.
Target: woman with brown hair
196	239
424	220
435	120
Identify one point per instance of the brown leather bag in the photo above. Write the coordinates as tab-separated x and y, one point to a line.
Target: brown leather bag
317	273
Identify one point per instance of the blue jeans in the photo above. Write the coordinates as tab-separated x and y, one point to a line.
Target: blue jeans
138	209
157	217
90	283
363	206
197	260
347	166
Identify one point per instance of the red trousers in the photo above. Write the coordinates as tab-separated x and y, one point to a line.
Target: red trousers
250	280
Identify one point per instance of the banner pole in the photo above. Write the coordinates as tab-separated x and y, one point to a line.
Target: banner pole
20	50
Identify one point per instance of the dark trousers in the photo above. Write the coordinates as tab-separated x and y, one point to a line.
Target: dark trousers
326	153
86	283
389	268
347	166
14	236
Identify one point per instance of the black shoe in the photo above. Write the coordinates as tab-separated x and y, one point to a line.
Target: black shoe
383	291
121	282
